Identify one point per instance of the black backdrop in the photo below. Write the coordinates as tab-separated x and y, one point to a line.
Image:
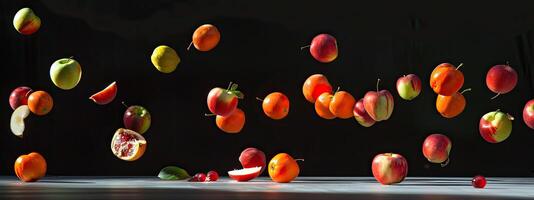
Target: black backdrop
113	40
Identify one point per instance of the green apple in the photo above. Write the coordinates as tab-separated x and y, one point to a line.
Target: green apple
66	73
26	22
495	126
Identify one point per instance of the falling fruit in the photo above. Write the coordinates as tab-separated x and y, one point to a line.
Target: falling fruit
501	79
40	103
495	126
361	116
245	174
30	167
26	22
314	86
409	86
19	96
137	118
322	106
106	95
165	59
323	48
224	101
451	106
232	123
436	149
205	37
17	120
128	145
66	73
378	104
342	105
446	79
275	105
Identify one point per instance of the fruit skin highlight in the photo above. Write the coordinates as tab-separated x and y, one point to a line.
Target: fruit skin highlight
19	96
324	48
409	86
451	106
66	73
389	168
446	79
436	148
122	141
283	168
106	95
137	118
30	167
501	79
275	105
232	123
342	105
314	86
165	59
252	157
495	126
378	104
528	114
40	103
206	37
322	106
478	182
361	116
26	22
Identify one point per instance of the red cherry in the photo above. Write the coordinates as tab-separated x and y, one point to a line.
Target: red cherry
212	176
479	181
201	177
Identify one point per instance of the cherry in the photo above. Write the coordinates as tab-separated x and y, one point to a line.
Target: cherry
199	177
479	181
212	176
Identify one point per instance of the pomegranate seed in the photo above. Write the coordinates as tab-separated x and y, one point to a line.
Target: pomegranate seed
212	176
479	181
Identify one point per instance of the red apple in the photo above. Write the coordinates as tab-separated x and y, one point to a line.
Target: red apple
252	157
495	126
361	115
245	174
224	101
379	104
19	97
501	79
409	86
528	114
137	118
324	48
389	168
106	95
436	148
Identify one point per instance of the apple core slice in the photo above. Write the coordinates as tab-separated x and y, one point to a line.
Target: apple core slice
245	174
17	120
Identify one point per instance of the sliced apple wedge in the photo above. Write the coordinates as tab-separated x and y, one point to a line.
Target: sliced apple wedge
245	174
106	95
17	120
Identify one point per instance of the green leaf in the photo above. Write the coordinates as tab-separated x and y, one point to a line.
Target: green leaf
238	94
233	87
173	173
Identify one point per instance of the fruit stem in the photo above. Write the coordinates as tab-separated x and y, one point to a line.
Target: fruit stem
466	90
445	163
377	82
337	90
188	47
229	85
70	58
124	104
510	117
495	96
301	48
259	99
209	114
461	64
300	159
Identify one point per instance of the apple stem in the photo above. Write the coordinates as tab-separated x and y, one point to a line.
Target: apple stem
460	65
188	47
337	90
124	104
209	114
71	57
466	90
307	46
377	82
229	85
259	99
300	159
495	96
445	163
510	117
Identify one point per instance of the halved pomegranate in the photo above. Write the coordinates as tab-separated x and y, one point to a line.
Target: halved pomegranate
245	174
127	144
106	95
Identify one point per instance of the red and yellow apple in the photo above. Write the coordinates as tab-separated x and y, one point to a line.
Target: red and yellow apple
409	86
446	79
436	148
314	86
19	97
528	114
378	104
283	168
224	101
30	167
137	118
252	157
389	168
26	22
324	48
501	79
361	115
495	126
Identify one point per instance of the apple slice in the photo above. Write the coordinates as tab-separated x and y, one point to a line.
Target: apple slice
106	95
245	174
17	119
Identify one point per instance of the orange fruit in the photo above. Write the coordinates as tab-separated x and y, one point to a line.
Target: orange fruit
276	105
206	37
446	79
342	105
322	106
30	167
128	145
40	103
283	168
451	106
314	86
232	123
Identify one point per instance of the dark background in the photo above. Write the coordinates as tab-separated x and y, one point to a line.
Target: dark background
259	50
